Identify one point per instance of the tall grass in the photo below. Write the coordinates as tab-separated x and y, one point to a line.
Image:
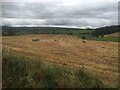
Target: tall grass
23	72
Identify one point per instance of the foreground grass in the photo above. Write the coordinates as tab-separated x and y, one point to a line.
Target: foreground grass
23	72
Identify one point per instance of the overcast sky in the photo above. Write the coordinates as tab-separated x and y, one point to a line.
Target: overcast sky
71	13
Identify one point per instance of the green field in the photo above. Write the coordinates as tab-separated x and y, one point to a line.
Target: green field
108	39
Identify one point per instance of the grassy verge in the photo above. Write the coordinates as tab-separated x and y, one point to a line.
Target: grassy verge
23	72
108	38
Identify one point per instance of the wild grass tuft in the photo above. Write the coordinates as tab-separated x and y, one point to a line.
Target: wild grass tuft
23	72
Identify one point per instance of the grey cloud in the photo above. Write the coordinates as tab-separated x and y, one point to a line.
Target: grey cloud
55	13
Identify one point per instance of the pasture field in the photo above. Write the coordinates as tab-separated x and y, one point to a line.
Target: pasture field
99	58
114	37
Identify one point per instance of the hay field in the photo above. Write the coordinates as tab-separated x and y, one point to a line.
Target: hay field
114	34
97	57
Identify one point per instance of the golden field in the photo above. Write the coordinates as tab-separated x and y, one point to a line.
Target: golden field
113	34
97	57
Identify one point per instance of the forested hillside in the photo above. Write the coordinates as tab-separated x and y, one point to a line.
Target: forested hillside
105	30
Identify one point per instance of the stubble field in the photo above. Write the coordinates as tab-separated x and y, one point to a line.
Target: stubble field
96	57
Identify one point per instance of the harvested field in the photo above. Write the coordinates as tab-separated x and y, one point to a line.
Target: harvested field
97	57
114	34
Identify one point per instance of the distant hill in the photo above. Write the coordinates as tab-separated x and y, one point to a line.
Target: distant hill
106	30
101	34
7	30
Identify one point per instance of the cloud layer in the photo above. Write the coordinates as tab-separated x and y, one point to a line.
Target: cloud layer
60	13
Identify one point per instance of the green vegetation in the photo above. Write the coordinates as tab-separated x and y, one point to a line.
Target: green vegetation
93	34
43	30
23	72
108	38
105	30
